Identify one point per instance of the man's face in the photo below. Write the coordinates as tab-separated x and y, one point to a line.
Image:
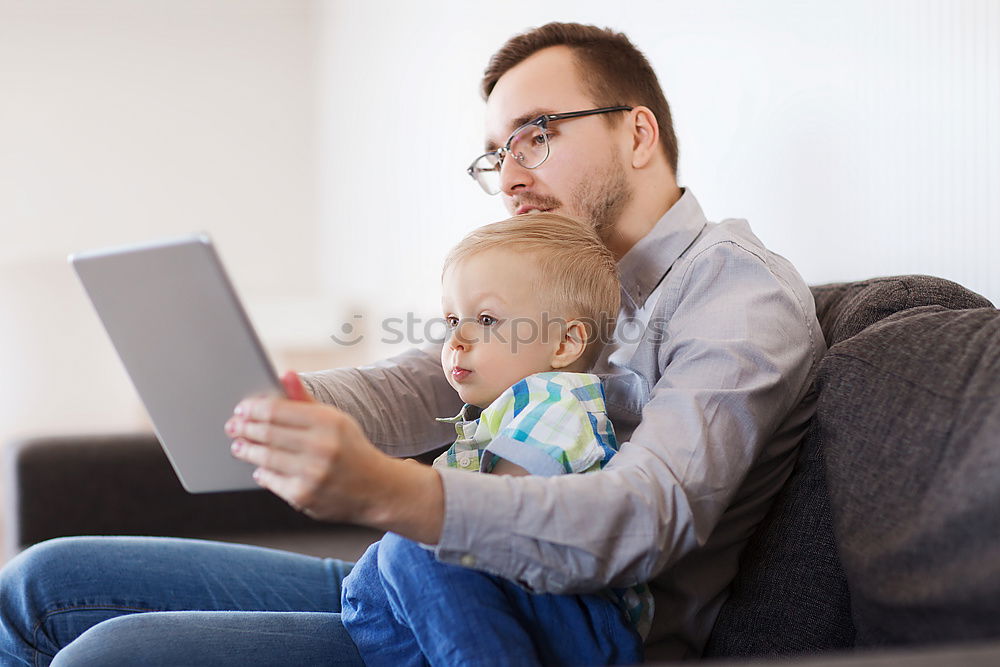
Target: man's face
495	316
584	176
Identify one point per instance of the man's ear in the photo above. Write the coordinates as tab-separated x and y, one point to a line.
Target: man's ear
571	346
645	133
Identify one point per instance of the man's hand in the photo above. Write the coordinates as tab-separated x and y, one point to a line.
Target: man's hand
317	459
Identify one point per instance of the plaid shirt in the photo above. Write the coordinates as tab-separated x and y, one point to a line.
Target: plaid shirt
549	424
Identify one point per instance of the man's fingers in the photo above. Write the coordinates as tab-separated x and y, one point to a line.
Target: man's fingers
276	460
266	433
271	481
282	411
286	488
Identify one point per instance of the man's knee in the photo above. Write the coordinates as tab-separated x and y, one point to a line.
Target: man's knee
42	555
114	642
25	578
31	584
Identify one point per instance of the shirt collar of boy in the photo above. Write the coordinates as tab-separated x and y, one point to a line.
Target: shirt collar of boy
468	413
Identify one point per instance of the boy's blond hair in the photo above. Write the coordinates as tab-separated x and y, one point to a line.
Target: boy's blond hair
577	275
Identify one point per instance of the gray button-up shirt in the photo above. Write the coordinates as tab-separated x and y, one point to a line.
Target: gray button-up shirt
708	385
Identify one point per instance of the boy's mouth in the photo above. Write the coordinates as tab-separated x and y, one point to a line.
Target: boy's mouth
458	373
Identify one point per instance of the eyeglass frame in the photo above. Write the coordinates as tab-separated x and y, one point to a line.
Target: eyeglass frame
542	122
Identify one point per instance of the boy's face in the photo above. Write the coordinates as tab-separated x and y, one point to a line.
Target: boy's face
495	319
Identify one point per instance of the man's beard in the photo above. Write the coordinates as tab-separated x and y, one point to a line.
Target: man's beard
602	196
598	199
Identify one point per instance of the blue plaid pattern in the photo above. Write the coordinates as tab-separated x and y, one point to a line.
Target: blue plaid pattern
548	423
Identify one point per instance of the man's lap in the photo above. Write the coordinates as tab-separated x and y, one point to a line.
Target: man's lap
57	590
194	601
243	638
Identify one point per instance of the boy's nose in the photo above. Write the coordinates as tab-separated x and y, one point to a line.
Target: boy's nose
460	338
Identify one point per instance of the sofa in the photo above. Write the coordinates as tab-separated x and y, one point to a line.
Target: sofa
883	547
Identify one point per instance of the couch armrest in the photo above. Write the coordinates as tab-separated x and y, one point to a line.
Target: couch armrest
122	484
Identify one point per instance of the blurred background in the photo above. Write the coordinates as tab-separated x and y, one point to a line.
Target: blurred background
323	143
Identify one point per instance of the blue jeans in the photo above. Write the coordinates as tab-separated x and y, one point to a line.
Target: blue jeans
88	599
404	608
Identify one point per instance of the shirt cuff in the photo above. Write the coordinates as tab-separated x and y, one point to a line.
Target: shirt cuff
534	460
467	538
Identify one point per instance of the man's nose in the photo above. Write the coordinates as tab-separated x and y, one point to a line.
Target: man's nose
513	176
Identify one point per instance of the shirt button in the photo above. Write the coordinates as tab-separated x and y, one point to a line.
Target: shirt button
464	461
468	560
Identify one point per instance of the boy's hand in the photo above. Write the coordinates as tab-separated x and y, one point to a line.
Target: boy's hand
317	459
505	467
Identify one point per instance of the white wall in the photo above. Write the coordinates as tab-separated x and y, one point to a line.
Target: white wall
324	143
859	138
123	121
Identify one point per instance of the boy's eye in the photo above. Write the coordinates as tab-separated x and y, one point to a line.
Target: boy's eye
451	321
487	320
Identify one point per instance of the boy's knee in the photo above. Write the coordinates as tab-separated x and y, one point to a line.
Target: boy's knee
400	558
395	551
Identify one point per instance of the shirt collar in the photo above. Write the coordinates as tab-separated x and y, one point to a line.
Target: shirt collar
468	413
644	265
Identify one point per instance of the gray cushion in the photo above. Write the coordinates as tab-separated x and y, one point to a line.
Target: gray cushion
909	423
845	309
790	595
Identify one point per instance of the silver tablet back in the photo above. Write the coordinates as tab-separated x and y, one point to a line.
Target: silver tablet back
187	345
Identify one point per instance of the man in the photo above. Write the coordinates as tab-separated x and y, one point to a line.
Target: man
709	403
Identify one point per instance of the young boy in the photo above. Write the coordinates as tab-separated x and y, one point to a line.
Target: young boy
529	303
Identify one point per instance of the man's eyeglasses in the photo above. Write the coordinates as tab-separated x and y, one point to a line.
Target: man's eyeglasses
528	144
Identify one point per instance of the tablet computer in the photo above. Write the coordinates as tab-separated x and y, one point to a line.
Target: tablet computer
187	345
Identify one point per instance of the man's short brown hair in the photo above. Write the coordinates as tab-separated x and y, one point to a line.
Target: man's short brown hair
610	67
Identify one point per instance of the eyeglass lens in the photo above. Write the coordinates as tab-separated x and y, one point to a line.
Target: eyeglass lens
529	146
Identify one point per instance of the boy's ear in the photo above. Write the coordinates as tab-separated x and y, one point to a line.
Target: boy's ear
571	346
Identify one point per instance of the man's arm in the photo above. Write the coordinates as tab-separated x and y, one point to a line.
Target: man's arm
739	360
395	400
317	458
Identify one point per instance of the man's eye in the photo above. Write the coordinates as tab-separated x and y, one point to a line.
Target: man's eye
540	138
487	320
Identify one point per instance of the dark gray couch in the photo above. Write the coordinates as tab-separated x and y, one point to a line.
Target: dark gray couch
887	534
